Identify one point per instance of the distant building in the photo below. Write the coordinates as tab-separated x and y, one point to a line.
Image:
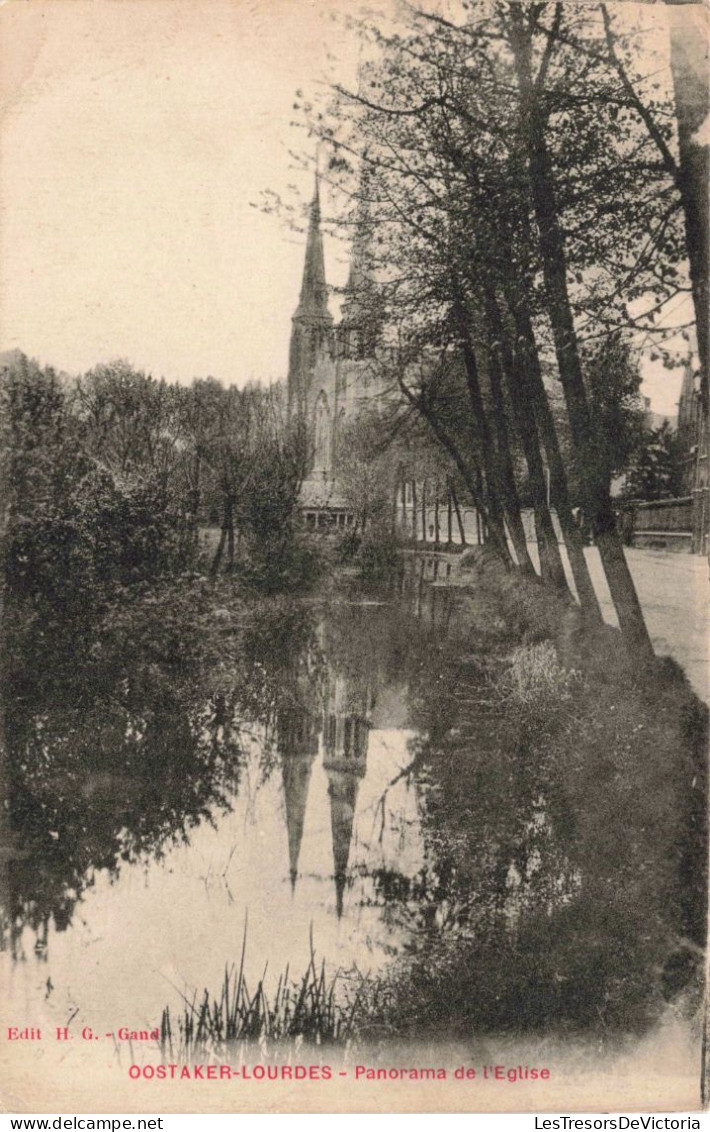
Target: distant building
331	372
334	373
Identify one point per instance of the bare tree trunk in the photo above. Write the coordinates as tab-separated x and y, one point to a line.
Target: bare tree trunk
507	475
420	588
395	495
424	538
502	357
532	374
195	499
414	510
216	561
436	512
497	487
542	185
475	486
229	521
472	478
457	509
449	515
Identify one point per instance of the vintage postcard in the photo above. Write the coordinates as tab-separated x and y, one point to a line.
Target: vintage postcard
355	624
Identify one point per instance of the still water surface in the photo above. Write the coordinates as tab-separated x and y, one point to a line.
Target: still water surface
288	850
350	783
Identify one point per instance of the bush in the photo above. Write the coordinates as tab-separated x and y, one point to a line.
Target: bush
282	564
380	555
535	674
76	530
74	549
348	547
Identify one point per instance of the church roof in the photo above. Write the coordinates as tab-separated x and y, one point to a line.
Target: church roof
313	302
355	307
296	769
342	791
321	493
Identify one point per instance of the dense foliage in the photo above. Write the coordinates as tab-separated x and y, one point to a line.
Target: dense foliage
110	479
523	190
657	466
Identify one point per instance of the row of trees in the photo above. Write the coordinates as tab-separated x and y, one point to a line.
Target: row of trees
111	475
228	455
390	465
520	177
657	466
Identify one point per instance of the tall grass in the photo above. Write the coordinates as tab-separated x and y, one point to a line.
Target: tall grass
316	1008
535	674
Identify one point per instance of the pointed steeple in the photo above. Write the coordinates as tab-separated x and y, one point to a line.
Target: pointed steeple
313	303
312	323
298	747
343	788
360	321
359	275
345	742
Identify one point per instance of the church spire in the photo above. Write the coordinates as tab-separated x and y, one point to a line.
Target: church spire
359	275
345	743
360	318
312	323
298	747
343	787
313	303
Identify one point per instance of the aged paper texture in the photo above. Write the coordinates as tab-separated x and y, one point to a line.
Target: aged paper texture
355	520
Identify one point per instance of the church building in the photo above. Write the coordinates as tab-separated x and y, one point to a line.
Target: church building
332	373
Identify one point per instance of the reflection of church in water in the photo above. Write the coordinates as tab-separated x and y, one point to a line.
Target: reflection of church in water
341	732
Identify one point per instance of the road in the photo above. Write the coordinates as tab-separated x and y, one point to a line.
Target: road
674	592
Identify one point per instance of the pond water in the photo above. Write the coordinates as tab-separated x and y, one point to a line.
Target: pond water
335	776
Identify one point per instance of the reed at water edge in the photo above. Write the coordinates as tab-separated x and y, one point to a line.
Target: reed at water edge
309	1008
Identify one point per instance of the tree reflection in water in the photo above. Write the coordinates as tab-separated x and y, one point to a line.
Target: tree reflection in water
563	838
565	844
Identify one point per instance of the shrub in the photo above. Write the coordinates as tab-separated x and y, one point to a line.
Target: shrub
536	674
380	555
282	564
348	546
74	549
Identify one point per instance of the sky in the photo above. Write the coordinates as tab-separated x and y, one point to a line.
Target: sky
136	136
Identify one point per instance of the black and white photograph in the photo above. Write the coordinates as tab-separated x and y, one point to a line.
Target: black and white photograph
354	526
